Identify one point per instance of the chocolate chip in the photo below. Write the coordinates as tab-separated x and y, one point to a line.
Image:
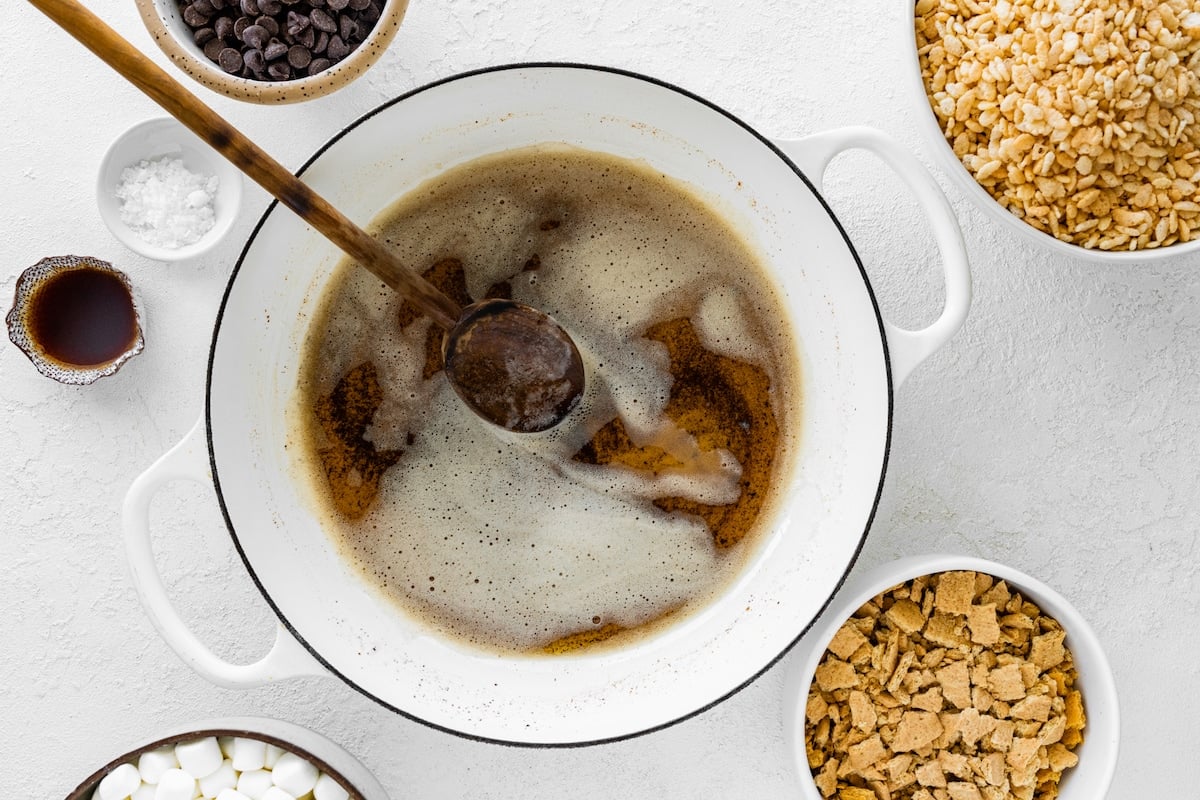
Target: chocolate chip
213	48
256	36
299	57
307	38
223	26
337	48
194	18
296	23
255	61
230	60
269	24
322	21
275	49
312	35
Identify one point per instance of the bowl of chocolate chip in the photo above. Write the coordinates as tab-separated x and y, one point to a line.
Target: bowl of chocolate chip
273	51
652	553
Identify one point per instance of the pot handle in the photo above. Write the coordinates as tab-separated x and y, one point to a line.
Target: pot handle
907	348
188	460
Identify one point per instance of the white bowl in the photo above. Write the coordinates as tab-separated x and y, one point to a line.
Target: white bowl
962	177
153	139
327	756
1087	780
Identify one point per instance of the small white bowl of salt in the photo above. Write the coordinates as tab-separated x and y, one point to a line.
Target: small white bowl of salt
166	194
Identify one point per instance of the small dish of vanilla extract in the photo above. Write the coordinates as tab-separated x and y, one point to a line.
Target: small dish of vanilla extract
76	318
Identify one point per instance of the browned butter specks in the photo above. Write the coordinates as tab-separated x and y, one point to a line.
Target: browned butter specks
640	508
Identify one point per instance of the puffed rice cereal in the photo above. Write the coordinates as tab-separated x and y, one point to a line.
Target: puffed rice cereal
1078	116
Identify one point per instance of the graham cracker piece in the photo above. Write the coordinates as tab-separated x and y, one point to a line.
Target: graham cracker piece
916	730
1047	649
846	641
1005	682
956	683
983	624
955	592
834	674
906	615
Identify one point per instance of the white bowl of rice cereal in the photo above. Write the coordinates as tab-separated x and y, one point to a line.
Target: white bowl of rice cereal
947	676
1073	123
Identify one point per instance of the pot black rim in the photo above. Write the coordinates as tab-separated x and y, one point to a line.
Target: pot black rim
550	65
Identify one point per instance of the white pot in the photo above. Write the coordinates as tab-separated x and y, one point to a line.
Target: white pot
852	363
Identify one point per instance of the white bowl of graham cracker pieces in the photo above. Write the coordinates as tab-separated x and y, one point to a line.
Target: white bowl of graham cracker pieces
945	677
1075	124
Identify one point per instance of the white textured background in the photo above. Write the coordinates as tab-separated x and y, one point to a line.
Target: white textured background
1058	432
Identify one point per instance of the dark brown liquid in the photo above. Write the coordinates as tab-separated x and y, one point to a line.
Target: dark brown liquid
635	514
83	317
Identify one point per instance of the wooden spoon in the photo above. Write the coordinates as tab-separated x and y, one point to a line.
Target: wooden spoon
511	364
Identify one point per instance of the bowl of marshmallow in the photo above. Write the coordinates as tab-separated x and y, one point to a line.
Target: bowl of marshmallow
243	758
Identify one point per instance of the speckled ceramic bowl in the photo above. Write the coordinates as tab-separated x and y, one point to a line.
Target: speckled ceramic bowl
328	757
79	321
164	21
1097	754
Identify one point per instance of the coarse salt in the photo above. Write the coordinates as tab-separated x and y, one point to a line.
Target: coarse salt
166	204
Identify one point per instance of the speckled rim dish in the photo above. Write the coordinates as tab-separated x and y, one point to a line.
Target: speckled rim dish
165	24
18	324
852	359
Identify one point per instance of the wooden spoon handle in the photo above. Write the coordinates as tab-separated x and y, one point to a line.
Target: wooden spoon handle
231	143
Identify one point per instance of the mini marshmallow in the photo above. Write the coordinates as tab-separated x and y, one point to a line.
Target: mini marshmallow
119	783
275	793
248	754
225	777
232	794
226	743
199	757
254	784
153	763
329	789
175	784
144	792
293	774
273	754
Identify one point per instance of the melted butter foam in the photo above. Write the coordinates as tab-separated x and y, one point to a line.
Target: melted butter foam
505	539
